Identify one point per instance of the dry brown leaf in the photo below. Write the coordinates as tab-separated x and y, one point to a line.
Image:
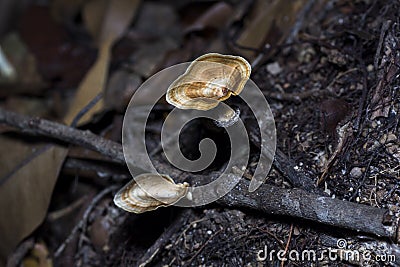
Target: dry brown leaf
12	149
106	20
120	89
26	192
158	21
61	61
147	61
115	20
216	17
93	12
34	106
211	23
271	22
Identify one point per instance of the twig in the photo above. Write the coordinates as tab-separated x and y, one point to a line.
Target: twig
19	253
363	98
203	246
37	126
383	31
55	215
113	150
361	182
267	199
83	222
297	177
388	72
85	109
101	168
272	235
307	206
344	134
191	224
23	163
340	75
287	167
287	244
165	237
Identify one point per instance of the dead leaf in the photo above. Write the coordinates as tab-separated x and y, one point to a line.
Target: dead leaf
120	89
107	20
208	26
216	17
114	20
34	106
270	23
159	22
93	14
26	190
61	61
146	60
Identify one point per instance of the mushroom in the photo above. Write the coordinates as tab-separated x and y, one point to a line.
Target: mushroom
148	192
208	80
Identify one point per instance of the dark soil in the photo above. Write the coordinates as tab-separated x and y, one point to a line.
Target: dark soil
336	102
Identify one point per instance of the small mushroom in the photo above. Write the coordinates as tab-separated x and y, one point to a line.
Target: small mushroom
148	192
208	80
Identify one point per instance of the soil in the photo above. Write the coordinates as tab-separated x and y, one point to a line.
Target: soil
334	93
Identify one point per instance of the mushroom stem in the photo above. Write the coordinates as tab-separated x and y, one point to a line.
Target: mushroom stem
228	117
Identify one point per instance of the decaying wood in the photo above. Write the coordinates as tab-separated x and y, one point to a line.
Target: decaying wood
267	199
300	204
297	178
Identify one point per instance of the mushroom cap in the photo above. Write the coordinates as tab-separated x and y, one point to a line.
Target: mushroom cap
208	80
153	192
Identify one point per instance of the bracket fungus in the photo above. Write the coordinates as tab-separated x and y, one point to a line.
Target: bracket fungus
148	192
208	80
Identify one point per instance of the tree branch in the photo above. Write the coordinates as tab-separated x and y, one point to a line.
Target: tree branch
87	139
267	199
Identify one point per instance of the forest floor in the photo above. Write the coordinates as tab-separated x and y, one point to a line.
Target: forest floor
330	73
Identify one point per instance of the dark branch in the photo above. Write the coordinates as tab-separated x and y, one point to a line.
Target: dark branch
300	204
87	139
268	199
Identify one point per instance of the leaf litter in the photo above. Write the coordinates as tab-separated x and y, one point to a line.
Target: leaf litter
342	54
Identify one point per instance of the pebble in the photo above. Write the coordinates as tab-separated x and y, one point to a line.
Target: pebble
356	172
274	68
